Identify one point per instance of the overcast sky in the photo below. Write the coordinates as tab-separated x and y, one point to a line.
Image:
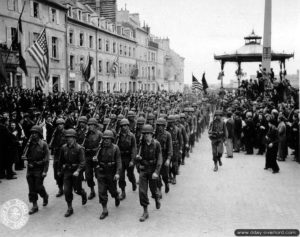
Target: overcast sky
198	29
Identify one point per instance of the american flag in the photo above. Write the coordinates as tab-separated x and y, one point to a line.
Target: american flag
115	65
196	85
39	52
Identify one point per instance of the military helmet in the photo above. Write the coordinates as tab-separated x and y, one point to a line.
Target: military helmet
124	122
92	121
147	129
131	114
108	134
171	118
177	117
163	116
182	115
191	109
70	133
106	121
194	105
150	116
60	121
141	120
37	129
113	116
82	119
142	113
161	121
219	112
120	117
133	109
186	109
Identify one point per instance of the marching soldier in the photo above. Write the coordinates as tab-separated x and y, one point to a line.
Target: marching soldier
132	122
57	141
150	162
217	135
38	164
127	145
81	130
108	171
184	138
177	147
138	133
91	144
71	166
165	140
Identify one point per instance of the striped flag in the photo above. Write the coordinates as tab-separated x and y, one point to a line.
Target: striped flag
115	66
196	85
88	71
22	61
39	52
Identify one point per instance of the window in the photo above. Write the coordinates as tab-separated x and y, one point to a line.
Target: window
79	15
91	41
35	37
81	39
100	66
121	65
107	67
81	59
53	15
36	13
12	5
14	38
129	51
70	11
54	47
121	49
114	47
71	35
71	62
100	44
88	18
107	46
125	50
133	53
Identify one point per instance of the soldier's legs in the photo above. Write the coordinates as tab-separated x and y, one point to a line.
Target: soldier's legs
112	186
59	179
89	173
68	186
143	188
102	189
39	185
122	182
174	168
154	191
130	175
33	196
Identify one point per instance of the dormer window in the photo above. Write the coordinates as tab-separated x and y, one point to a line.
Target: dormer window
79	15
88	18
70	11
106	25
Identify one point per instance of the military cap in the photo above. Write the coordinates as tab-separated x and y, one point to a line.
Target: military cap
37	129
92	121
147	129
108	134
70	133
60	121
124	122
82	119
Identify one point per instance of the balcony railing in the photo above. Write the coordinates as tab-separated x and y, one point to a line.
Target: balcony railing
153	44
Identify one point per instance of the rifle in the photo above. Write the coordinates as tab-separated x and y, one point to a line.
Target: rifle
25	151
80	113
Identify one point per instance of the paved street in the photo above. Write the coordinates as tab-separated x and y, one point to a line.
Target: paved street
202	203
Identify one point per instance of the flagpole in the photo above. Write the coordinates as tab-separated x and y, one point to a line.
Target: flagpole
15	33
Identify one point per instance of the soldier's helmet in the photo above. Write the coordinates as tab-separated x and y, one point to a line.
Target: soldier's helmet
37	129
161	121
191	109
124	122
194	105
108	134
150	116
82	119
131	114
142	113
106	121
92	121
182	115
163	116
132	109
141	120
147	129
60	121
219	112
113	116
177	117
70	133
171	119
120	117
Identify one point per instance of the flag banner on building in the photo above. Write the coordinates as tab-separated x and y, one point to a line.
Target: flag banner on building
196	85
134	72
3	73
204	83
221	74
115	66
39	52
88	71
19	38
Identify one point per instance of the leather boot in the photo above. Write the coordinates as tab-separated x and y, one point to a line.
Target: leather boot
216	167
104	213
117	201
69	212
167	188
157	203
145	215
92	195
45	200
34	209
60	192
134	186
84	198
123	195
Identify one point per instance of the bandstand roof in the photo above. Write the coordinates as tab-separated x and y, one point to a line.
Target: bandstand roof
251	52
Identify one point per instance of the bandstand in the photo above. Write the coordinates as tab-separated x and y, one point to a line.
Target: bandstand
250	52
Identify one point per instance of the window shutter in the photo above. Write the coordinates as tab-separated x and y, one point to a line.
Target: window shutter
49	39
8	36
31	8
50	15
10	5
40	11
20	6
60	49
57	17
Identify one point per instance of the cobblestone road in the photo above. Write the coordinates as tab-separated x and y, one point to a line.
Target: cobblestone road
202	203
